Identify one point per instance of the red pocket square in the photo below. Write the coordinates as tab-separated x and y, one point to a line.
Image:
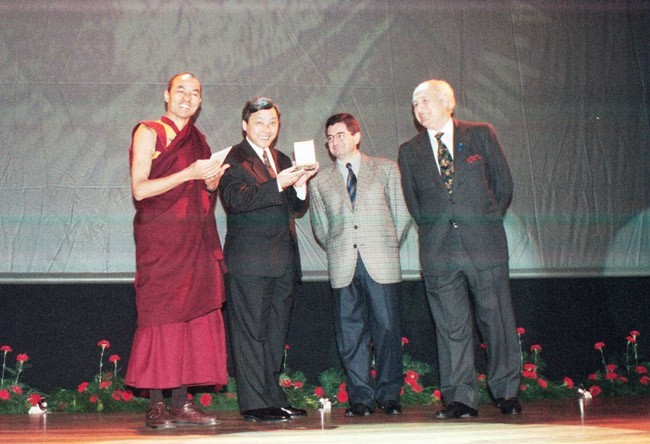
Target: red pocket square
474	158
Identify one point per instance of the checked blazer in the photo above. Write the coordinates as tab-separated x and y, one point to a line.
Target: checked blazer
372	229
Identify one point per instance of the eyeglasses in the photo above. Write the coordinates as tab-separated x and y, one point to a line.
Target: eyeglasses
337	136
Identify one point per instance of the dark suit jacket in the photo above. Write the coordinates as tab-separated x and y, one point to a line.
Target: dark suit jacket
260	239
482	192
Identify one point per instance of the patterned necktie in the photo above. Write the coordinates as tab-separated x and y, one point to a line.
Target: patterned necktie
269	168
446	164
352	183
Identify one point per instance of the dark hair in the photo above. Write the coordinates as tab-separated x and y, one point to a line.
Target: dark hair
258	103
171	81
350	122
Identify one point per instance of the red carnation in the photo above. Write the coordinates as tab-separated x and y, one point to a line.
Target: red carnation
82	387
529	375
437	395
104	344
543	384
521	331
35	398
529	367
640	369
22	357
536	348
568	382
599	345
411	376
318	391
635	333
644	380
206	399
342	396
4	394
6	349
114	359
594	390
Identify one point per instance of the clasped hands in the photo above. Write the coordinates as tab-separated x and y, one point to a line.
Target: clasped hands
210	171
296	175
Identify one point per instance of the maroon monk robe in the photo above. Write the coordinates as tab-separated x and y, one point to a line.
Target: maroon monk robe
179	260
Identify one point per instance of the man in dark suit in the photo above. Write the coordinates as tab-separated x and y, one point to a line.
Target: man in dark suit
458	186
262	194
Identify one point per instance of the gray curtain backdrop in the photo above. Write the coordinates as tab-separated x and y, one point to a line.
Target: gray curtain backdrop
565	83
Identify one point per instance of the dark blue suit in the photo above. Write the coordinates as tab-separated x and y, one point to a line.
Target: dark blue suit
463	254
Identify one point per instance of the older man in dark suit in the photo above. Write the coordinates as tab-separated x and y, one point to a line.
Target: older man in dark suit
458	186
262	194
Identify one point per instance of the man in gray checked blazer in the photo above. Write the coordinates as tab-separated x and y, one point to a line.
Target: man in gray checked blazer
359	216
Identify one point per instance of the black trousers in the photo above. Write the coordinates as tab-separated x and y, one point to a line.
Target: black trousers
258	319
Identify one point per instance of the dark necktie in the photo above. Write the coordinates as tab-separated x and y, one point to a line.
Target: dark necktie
269	168
352	182
446	164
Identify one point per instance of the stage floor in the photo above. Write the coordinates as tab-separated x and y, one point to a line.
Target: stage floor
600	420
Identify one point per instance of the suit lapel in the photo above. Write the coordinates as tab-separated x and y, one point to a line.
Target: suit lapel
428	161
462	151
253	164
367	171
337	183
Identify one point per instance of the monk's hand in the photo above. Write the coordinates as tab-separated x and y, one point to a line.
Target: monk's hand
212	183
204	169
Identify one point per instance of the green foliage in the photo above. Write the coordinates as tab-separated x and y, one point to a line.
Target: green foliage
625	374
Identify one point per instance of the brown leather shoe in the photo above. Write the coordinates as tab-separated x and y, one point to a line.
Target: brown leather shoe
158	417
191	414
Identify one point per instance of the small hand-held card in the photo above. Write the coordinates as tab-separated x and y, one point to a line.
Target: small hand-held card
220	155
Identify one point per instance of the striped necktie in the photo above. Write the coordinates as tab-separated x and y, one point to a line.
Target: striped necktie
269	168
352	183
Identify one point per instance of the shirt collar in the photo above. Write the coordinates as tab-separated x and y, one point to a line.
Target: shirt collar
355	161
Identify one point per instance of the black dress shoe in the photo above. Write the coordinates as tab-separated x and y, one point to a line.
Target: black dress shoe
456	410
509	406
269	414
158	417
358	409
391	407
294	412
